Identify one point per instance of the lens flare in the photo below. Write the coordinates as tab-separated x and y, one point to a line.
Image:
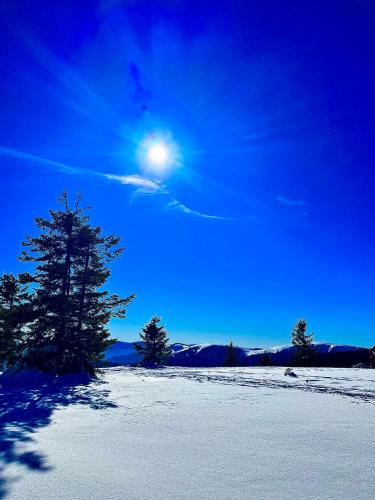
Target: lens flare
158	155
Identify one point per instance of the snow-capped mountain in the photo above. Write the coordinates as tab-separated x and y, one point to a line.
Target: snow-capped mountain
124	353
205	355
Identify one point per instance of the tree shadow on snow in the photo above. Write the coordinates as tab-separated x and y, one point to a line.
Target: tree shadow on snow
26	408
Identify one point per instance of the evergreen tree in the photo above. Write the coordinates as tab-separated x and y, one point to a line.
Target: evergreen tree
304	349
156	349
13	315
372	357
69	332
266	359
231	358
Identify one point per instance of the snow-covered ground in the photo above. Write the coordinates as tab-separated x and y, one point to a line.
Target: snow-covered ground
185	433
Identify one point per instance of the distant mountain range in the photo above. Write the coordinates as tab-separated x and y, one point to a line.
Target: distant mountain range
206	355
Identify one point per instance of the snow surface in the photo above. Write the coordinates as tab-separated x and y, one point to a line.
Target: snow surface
185	433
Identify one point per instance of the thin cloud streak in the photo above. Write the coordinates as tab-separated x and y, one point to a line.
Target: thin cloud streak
15	153
177	205
291	203
143	185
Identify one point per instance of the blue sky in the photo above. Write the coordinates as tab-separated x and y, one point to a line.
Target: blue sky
265	212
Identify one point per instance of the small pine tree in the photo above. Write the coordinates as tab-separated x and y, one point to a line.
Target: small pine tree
266	359
304	349
156	349
231	358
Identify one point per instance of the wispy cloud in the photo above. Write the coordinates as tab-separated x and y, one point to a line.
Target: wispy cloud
177	205
15	153
142	184
291	203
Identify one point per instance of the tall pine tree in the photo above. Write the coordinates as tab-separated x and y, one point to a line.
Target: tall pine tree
156	349
304	353
69	332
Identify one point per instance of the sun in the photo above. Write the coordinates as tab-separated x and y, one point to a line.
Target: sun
158	154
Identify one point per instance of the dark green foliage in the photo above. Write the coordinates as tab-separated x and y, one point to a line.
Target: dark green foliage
265	359
156	349
372	357
304	354
71	310
231	358
14	312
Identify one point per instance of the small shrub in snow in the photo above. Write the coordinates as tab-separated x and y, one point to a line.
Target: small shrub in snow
290	373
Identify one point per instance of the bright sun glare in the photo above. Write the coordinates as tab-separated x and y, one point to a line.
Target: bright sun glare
158	154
